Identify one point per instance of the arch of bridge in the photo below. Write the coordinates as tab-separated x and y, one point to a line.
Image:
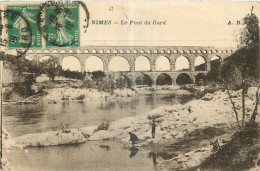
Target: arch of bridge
173	75
130	58
163	57
90	66
131	53
216	55
206	61
142	60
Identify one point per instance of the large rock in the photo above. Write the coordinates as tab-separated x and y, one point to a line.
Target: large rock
72	136
124	92
88	131
207	97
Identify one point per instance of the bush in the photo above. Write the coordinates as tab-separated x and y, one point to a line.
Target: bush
72	74
99	81
23	89
197	93
7	94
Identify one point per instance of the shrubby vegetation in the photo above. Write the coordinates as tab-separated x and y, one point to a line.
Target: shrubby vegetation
240	71
72	74
105	82
50	67
213	76
244	62
30	70
98	80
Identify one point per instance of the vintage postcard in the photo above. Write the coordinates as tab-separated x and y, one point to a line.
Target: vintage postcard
129	85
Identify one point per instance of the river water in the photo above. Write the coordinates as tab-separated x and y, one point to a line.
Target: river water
32	118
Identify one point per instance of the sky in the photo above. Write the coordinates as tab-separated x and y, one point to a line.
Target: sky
187	23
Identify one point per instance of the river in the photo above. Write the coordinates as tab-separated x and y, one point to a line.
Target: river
32	118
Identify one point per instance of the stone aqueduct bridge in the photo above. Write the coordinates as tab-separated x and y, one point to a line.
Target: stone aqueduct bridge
130	53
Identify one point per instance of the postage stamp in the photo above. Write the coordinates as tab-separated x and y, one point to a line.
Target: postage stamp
22	20
61	25
42	25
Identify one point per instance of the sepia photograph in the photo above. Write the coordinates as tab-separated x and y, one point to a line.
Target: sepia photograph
129	85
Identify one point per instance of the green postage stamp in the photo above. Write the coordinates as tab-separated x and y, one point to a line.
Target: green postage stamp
58	24
62	25
22	27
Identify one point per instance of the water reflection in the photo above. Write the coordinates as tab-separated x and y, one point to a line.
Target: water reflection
88	156
24	119
32	118
133	150
153	156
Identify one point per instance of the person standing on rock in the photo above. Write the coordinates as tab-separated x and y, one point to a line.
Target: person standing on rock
153	129
133	137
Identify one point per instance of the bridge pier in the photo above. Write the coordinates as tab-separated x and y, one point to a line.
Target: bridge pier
82	65
132	67
60	61
172	65
133	84
152	65
192	67
105	68
174	77
154	77
208	67
192	78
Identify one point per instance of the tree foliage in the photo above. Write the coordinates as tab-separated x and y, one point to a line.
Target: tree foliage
33	68
214	74
51	67
98	75
243	61
231	76
122	81
101	81
249	36
241	69
72	74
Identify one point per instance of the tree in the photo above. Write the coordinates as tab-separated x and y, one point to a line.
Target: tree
51	67
241	69
72	74
123	81
214	74
232	78
98	75
249	36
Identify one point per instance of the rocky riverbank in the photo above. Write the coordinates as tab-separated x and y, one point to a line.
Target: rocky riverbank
185	134
69	94
56	95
